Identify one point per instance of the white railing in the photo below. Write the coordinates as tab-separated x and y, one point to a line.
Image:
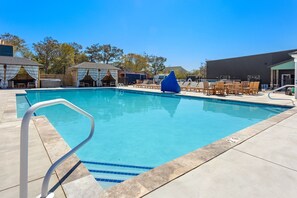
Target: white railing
24	146
280	88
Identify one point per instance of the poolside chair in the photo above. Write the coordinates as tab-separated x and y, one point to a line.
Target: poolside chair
235	88
143	84
31	85
81	84
245	86
219	88
180	83
207	89
192	86
154	86
137	83
184	86
249	89
255	88
200	86
229	87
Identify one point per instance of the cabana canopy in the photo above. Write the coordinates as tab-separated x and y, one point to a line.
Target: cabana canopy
97	71
10	67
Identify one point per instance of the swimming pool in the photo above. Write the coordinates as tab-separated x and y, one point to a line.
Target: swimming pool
136	131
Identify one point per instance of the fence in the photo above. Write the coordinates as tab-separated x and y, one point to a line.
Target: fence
66	79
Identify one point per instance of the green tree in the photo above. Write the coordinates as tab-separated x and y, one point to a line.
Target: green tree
93	52
46	52
79	55
104	53
135	62
156	64
19	45
65	58
180	75
201	71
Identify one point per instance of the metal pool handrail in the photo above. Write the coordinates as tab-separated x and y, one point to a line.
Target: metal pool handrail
24	145
293	102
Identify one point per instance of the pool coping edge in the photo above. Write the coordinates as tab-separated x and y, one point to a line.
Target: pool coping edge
73	176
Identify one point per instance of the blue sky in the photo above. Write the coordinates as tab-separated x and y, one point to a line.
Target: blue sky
186	32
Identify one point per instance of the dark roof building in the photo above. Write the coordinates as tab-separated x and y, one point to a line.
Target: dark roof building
6	50
254	67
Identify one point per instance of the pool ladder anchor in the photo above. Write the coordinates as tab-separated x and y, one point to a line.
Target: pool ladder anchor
24	147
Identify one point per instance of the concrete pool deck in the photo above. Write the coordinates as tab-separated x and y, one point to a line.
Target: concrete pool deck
262	164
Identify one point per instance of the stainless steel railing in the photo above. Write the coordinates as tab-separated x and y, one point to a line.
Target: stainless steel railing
24	146
280	88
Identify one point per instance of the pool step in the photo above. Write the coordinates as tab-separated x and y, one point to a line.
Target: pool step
109	174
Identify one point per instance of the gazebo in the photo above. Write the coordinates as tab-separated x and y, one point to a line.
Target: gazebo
92	74
18	72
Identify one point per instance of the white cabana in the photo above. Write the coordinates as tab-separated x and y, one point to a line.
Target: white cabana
97	71
11	66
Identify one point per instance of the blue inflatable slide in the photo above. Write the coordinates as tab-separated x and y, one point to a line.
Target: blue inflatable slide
170	83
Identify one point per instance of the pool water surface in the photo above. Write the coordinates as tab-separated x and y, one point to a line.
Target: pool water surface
143	129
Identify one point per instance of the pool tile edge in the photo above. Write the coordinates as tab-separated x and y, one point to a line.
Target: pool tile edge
73	176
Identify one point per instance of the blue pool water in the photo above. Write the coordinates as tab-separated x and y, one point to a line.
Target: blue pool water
142	130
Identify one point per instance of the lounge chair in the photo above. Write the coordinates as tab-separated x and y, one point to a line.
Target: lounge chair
180	83
143	84
154	86
184	86
192	86
200	86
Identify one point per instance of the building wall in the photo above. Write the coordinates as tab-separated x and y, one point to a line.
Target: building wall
241	67
6	50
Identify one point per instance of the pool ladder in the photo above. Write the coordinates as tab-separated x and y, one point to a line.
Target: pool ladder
24	146
280	88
